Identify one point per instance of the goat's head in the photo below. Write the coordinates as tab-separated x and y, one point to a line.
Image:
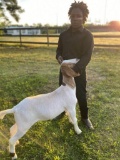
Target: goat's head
68	73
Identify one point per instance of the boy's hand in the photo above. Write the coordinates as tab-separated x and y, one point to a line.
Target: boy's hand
60	59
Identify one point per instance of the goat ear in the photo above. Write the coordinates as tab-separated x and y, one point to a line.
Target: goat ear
67	70
64	70
69	80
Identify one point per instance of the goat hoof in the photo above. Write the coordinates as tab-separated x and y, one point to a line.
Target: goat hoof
13	155
79	131
14	158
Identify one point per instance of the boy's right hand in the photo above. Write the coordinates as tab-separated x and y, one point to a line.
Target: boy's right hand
60	59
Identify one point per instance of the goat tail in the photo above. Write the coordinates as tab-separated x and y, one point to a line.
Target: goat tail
3	113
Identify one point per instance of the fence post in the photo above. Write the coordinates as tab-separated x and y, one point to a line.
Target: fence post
20	38
47	37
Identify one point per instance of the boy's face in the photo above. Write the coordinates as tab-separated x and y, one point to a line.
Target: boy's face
76	18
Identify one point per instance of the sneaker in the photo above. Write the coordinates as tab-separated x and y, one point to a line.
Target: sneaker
88	123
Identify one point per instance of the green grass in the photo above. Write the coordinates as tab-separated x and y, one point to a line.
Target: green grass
25	72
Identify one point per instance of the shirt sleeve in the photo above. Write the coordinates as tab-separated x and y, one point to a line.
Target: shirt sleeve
87	49
59	48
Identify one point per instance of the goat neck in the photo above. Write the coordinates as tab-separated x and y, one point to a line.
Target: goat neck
69	81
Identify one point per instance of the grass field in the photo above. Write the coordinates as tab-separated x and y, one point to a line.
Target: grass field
25	72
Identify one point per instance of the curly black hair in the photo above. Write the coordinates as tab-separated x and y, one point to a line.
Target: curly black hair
82	6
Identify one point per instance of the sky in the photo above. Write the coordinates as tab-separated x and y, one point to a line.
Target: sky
55	12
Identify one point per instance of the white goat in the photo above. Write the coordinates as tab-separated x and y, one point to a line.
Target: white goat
44	107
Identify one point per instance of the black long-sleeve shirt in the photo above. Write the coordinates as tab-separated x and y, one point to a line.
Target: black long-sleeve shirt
76	44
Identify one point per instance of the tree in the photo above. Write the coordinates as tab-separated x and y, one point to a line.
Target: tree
66	25
37	24
11	7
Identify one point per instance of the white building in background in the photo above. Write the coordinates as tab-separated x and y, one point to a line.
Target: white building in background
17	30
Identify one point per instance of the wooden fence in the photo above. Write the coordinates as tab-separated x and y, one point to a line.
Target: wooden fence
46	33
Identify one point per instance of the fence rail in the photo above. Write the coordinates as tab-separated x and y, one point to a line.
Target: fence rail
46	35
